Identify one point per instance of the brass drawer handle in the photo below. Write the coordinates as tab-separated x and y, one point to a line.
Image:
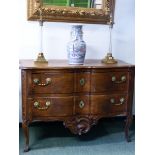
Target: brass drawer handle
82	81
112	100
37	82
37	105
81	104
123	79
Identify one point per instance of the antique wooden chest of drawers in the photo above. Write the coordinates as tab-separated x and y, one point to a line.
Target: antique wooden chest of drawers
77	95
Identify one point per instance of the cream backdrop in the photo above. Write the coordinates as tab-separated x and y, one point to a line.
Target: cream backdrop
56	36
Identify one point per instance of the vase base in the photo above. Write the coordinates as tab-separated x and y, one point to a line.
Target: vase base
75	63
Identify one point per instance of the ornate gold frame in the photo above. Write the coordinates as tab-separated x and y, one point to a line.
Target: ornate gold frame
71	14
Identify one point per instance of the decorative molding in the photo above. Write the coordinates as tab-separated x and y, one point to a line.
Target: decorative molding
107	6
69	14
80	124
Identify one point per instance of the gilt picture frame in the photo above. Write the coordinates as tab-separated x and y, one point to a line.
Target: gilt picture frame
50	12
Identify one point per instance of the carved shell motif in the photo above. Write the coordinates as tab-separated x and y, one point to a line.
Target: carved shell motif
80	125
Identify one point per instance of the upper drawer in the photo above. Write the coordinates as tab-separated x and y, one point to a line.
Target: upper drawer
111	81
52	82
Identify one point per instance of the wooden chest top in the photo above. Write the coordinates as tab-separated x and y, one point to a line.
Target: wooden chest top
63	64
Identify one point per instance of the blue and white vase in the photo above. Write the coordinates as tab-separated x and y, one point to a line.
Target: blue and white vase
76	48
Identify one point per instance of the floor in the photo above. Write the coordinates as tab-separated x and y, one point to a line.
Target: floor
106	138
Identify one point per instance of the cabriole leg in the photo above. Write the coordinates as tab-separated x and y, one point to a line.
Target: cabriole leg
26	134
127	126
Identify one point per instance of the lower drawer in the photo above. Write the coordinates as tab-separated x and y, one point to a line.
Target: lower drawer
52	106
108	104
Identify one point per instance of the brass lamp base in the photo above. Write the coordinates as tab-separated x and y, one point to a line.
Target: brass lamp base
109	59
40	59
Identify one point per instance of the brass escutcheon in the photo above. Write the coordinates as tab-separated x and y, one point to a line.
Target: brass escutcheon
82	81
81	104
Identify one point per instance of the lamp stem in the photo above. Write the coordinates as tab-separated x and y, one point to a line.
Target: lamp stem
110	39
41	36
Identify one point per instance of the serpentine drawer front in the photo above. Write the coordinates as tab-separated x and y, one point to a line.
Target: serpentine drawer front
109	104
77	95
52	82
52	106
110	81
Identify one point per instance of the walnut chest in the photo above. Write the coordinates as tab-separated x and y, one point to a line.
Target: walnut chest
77	95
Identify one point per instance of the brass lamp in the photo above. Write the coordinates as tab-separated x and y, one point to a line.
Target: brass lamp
41	58
109	59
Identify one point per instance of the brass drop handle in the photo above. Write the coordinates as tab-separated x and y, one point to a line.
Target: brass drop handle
82	81
37	82
123	79
37	105
112	100
81	104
